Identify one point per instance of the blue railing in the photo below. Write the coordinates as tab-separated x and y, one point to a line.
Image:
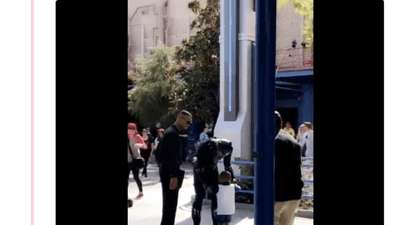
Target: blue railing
250	163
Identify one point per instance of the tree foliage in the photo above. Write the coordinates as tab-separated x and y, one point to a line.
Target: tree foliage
151	99
198	58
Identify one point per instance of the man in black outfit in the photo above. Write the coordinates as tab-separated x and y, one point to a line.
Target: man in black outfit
169	157
206	174
288	183
154	129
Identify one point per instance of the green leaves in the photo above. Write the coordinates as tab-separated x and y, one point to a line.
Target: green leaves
306	8
199	65
150	100
196	60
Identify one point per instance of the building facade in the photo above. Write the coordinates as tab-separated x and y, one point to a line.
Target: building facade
295	71
151	22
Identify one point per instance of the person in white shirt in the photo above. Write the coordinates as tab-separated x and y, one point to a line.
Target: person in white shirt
307	141
302	129
225	199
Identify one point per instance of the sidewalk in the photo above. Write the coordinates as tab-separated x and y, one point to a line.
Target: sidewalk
147	210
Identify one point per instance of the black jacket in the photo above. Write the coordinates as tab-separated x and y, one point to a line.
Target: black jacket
153	132
288	183
169	151
208	157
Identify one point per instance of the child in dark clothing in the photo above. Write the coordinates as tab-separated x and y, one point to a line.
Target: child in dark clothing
224	182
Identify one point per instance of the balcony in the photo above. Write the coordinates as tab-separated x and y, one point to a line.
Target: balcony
294	59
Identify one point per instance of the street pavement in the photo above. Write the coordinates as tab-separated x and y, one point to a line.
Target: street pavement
148	209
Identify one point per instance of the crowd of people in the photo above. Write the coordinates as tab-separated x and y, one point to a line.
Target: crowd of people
305	137
166	147
140	149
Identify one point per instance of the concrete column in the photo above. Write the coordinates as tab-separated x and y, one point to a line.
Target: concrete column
235	118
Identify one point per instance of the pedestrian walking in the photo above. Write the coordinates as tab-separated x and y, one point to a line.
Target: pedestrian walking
154	146
130	159
308	141
154	130
132	166
159	136
302	129
169	157
134	136
146	153
135	142
288	183
157	140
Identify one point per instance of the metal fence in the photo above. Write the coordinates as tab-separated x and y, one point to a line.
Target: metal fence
306	170
294	59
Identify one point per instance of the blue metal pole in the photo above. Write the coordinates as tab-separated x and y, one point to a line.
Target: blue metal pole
264	107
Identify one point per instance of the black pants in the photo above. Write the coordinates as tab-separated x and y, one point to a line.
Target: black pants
146	155
212	178
170	198
135	172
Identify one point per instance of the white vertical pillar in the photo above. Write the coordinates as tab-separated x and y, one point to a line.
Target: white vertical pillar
239	130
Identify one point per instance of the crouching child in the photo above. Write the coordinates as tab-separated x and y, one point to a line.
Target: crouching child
225	199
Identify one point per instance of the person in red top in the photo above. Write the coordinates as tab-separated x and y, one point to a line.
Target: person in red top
134	138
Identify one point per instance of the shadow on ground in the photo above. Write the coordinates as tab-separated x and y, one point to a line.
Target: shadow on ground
153	177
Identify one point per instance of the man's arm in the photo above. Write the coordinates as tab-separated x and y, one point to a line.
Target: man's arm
303	150
302	144
227	164
297	163
297	154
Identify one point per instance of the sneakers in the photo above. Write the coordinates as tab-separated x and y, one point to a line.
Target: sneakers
139	195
